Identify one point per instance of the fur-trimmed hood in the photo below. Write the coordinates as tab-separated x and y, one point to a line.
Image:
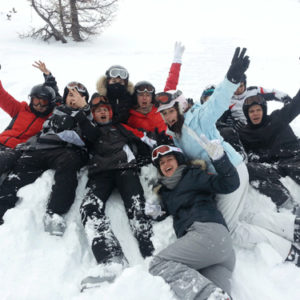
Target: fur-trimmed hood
102	90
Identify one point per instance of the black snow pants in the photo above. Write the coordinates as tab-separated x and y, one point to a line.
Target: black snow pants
105	246
265	178
290	167
8	158
65	161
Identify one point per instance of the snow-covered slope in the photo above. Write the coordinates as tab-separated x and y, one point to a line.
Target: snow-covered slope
36	266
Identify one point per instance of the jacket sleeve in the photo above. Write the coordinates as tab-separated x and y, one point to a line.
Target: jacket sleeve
289	112
8	103
218	102
51	81
173	77
272	94
225	181
89	130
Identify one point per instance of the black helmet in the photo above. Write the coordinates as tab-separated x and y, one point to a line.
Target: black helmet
254	100
163	150
79	87
144	86
43	91
244	79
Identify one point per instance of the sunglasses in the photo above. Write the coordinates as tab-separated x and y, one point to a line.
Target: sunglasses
163	150
165	97
74	84
41	102
116	72
254	99
145	89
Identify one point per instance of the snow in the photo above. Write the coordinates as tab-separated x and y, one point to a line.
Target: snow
36	266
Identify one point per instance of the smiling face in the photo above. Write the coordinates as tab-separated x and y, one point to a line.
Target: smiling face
168	165
170	115
240	90
40	105
101	114
255	114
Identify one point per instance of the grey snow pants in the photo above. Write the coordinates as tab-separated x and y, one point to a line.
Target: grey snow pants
198	262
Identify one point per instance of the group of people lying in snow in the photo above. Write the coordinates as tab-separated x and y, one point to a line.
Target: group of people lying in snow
205	153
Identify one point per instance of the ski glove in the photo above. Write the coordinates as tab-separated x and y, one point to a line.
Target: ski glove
239	65
153	210
213	148
162	138
178	51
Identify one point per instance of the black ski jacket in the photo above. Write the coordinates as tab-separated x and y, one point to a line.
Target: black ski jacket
273	139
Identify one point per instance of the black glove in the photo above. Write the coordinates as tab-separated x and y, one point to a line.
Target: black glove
239	65
61	123
162	138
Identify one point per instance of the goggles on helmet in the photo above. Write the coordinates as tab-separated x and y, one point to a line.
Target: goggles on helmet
254	100
164	150
165	97
74	84
41	102
116	72
146	88
97	100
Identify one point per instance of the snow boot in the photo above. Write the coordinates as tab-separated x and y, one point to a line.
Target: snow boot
294	256
102	273
219	294
297	230
54	224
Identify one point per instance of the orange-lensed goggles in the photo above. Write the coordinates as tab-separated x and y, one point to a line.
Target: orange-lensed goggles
41	102
97	100
257	99
165	97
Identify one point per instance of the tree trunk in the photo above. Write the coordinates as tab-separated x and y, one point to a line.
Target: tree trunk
61	18
75	27
57	34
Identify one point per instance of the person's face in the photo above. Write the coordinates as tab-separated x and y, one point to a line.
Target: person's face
240	90
72	99
255	113
168	165
40	105
101	115
116	80
170	116
204	99
144	100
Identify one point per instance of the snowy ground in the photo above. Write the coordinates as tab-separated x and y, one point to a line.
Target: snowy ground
36	266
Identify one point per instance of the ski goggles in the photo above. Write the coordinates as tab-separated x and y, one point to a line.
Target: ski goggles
257	99
164	150
165	97
116	72
98	100
145	89
40	102
79	87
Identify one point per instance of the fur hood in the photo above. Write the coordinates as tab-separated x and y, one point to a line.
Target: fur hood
102	90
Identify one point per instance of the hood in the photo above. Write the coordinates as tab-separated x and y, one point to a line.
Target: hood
102	90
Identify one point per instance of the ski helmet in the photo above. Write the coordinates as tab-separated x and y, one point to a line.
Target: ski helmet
168	99
144	86
43	91
79	87
117	71
254	100
163	150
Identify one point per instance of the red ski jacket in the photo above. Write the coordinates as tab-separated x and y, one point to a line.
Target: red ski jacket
154	119
24	124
